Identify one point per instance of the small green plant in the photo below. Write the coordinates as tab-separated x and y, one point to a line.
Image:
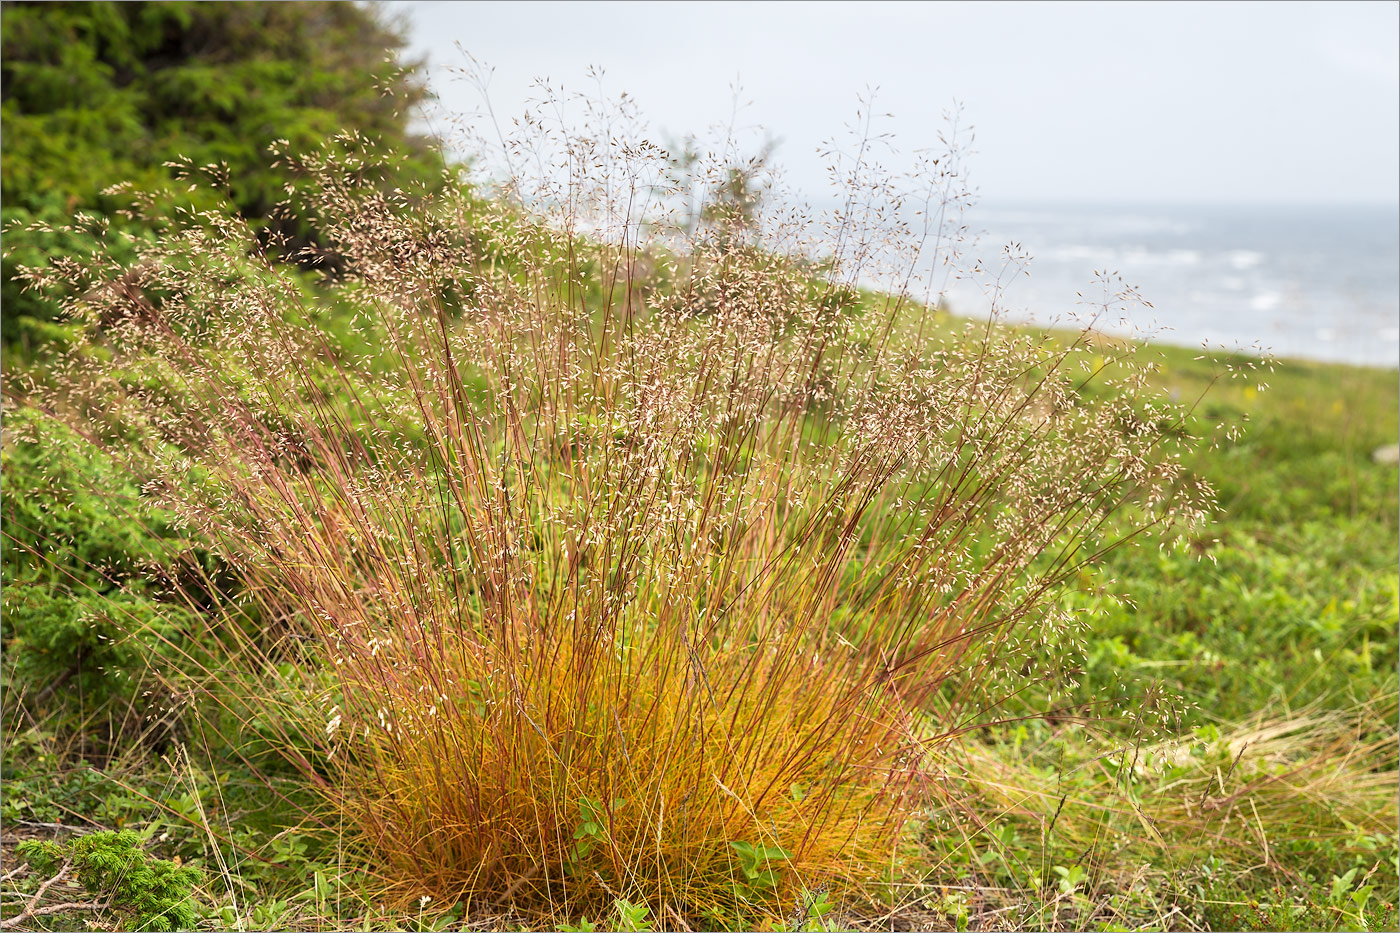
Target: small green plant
812	907
1351	901
270	914
155	894
954	906
757	863
631	917
584	925
592	828
1071	878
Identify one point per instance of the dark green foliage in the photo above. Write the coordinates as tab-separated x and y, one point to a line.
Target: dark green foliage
88	570
155	894
62	494
95	94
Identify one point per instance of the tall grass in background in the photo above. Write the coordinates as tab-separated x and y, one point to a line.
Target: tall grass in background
598	547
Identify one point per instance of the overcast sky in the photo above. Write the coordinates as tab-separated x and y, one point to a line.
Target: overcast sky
1213	102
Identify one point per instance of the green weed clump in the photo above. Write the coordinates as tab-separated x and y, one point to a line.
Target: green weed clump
91	594
611	556
119	877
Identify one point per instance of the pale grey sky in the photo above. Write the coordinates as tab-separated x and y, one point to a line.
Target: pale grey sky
1208	102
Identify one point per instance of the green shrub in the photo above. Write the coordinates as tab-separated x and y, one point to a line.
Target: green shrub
153	894
90	572
98	94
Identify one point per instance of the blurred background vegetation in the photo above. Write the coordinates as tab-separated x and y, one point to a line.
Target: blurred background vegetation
96	94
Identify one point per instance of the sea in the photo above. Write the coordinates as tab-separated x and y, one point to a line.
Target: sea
1291	281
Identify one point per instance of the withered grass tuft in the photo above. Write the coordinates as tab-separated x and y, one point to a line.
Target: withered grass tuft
601	545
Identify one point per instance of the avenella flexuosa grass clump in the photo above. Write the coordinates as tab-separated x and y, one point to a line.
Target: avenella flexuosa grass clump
624	548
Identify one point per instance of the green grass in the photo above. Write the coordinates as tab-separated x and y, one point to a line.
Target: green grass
1291	599
1285	611
1278	625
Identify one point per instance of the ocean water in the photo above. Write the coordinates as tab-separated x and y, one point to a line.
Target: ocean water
1312	282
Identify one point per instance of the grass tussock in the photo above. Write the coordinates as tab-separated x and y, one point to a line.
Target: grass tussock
597	549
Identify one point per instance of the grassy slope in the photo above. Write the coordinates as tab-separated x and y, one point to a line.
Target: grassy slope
1297	601
1279	629
1289	616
